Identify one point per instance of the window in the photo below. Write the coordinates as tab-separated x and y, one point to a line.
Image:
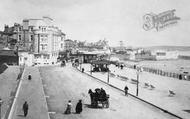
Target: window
31	28
43	39
19	37
47	56
44	47
31	37
43	29
20	28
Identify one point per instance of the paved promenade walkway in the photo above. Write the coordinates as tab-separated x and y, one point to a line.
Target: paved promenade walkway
8	85
32	92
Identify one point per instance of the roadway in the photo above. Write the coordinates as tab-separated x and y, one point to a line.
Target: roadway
66	83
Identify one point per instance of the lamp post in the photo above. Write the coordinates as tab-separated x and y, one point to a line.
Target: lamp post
80	65
91	69
0	106
137	91
108	65
17	56
138	72
108	79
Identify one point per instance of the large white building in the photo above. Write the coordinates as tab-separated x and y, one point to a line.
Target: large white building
41	38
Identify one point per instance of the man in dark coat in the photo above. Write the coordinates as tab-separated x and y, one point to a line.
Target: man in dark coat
25	108
103	93
126	90
78	108
91	95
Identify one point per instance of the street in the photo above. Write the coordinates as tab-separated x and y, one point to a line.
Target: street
66	83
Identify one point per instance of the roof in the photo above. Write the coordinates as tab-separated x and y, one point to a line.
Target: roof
7	53
100	62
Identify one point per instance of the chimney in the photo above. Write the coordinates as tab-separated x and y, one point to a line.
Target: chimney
6	28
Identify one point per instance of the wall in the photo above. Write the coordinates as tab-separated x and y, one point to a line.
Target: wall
26	59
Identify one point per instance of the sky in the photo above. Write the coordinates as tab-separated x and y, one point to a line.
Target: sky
113	20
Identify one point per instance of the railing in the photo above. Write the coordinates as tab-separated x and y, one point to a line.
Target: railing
179	76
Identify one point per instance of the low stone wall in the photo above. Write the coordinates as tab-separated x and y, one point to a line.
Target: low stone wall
184	57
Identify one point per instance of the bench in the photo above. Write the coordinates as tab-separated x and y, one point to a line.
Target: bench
146	85
171	93
152	87
112	74
123	77
134	81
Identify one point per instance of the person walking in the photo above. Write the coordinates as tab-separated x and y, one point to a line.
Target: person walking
29	76
126	90
78	108
91	95
25	108
69	106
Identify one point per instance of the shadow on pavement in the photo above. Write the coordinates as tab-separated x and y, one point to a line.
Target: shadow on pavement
92	107
187	111
3	67
20	115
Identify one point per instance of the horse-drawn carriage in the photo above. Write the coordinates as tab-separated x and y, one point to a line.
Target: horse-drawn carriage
99	97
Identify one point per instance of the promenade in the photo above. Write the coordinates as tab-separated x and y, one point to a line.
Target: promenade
32	92
159	95
8	83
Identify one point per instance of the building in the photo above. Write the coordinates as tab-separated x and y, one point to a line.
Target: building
43	39
26	58
9	57
165	55
38	37
70	45
144	55
9	36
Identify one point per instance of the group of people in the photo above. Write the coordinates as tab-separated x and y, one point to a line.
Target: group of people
119	65
99	93
78	108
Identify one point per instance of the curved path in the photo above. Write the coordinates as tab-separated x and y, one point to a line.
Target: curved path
65	83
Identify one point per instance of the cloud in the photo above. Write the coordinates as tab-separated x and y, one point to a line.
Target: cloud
54	3
92	20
